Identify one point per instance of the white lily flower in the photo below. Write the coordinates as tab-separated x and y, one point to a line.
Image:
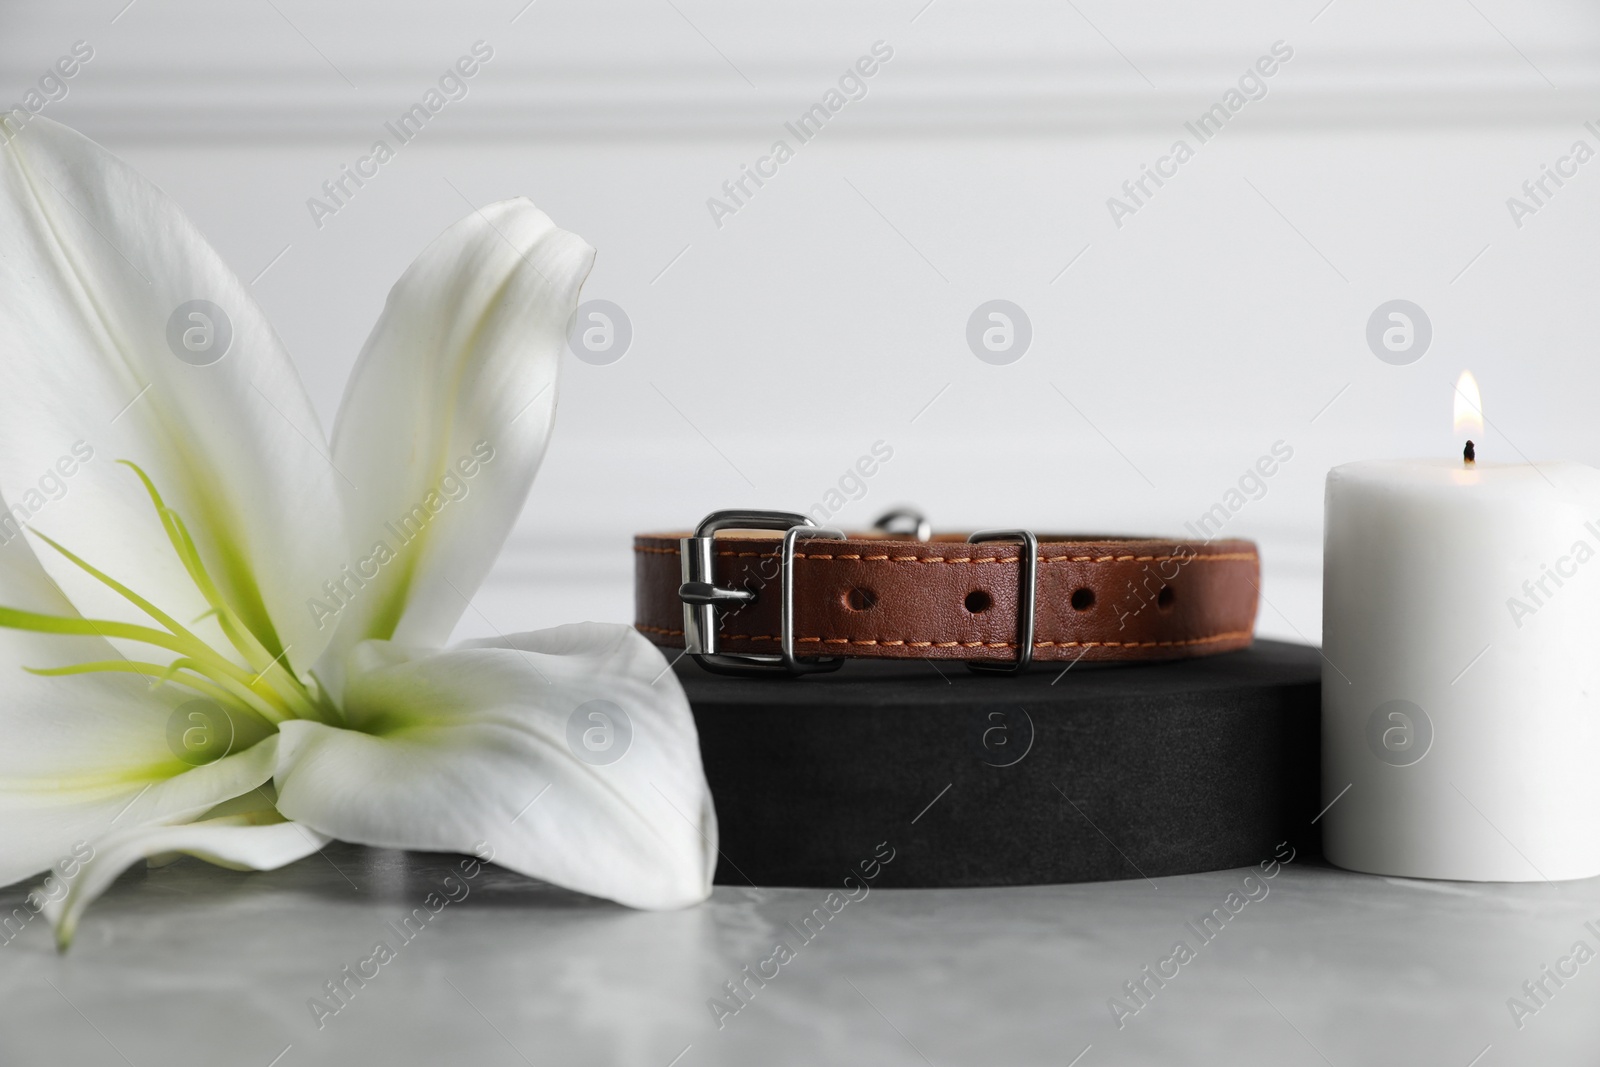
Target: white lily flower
175	534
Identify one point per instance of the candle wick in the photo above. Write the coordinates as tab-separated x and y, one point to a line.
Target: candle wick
1469	455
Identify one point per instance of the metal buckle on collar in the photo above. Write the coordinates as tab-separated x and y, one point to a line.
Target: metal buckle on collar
703	599
1027	596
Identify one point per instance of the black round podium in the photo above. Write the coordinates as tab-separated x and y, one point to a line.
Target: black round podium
1098	772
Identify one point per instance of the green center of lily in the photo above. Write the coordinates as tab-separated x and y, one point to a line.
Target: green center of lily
264	689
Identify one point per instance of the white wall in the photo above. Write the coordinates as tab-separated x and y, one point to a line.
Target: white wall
826	313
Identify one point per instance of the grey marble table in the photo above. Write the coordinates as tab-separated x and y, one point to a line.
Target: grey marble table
190	964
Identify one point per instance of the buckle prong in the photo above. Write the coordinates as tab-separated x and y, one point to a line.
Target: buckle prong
703	593
703	599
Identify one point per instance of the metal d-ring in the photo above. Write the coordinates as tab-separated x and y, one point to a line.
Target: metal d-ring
905	520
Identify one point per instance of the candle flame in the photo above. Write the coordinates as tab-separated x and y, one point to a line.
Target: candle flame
1468	407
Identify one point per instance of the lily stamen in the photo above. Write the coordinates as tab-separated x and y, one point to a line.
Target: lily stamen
273	691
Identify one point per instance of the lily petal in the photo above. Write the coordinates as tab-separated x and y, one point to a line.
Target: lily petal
45	819
446	418
88	753
487	744
99	362
238	842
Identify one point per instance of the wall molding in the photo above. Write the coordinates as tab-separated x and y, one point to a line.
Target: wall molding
188	71
305	70
972	99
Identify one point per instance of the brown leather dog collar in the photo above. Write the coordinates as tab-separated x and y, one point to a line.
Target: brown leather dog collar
775	592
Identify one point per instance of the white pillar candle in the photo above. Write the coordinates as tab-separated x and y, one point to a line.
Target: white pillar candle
1461	627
